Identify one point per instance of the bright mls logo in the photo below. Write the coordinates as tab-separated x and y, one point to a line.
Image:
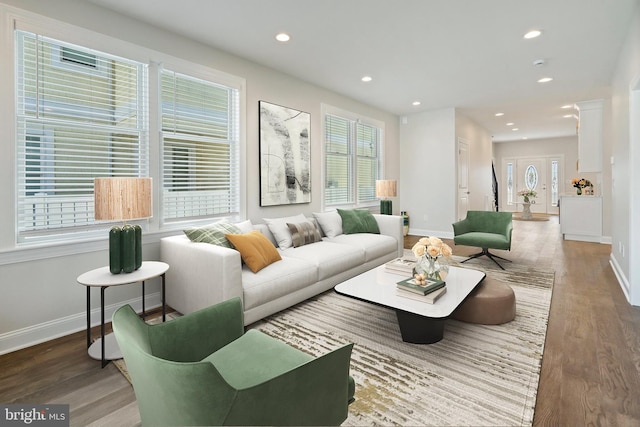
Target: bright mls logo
34	415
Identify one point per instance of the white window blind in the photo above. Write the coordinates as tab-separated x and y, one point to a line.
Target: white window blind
352	161
200	148
80	114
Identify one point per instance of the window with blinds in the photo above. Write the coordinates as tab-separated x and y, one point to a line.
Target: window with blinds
200	148
352	161
80	114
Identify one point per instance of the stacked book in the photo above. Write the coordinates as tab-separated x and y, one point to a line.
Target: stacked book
402	266
428	291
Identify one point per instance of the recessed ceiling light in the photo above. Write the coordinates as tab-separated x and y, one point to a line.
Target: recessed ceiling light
525	137
515	129
532	34
545	80
499	114
416	103
283	37
568	116
367	79
510	124
567	106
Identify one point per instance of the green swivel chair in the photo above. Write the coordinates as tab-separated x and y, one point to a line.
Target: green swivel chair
487	230
202	369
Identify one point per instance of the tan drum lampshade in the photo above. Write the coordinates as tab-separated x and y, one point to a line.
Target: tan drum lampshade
386	188
122	198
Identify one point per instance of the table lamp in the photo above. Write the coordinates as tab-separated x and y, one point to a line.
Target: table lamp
122	199
386	188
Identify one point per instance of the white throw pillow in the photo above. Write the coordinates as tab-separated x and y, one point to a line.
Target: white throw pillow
330	222
245	226
280	231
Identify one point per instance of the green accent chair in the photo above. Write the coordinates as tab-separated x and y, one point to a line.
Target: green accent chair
487	230
203	369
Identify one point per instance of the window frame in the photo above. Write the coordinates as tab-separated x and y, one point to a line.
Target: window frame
88	136
216	78
354	119
86	240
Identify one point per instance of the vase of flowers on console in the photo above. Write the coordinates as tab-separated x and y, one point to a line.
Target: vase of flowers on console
580	184
430	251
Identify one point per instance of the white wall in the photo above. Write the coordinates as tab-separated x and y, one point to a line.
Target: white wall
625	170
428	178
480	154
428	174
40	298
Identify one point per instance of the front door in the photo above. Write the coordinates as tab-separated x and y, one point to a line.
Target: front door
531	175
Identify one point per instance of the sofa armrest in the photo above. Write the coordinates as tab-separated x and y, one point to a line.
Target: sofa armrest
200	274
391	225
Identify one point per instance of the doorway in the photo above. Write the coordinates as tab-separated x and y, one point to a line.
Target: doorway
542	174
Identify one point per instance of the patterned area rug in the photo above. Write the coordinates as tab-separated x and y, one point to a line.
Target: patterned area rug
477	375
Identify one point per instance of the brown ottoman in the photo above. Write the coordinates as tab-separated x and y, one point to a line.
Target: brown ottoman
491	303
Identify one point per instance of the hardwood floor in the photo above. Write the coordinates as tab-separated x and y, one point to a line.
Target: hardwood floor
590	370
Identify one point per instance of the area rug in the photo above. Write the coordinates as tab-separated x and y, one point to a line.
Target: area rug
476	376
533	218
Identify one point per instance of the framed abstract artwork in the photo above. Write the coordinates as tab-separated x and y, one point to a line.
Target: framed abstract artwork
285	155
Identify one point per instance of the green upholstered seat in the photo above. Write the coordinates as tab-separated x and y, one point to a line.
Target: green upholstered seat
487	230
202	369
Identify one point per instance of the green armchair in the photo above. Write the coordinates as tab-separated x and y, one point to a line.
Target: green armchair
487	230
202	369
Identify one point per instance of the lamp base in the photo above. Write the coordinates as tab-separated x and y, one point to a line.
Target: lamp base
125	249
386	207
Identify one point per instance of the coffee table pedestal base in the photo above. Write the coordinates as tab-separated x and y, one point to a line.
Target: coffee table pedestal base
418	329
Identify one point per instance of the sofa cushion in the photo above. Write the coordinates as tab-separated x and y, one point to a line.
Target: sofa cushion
303	233
330	222
373	245
280	231
213	233
358	221
277	280
255	249
329	258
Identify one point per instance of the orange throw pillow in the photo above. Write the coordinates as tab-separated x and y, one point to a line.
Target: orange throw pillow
255	248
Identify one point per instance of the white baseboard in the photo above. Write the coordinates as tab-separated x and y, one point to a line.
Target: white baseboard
622	279
421	232
32	335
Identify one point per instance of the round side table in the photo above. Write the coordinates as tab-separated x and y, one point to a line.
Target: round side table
106	348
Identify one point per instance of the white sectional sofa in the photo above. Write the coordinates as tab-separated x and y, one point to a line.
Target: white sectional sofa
202	274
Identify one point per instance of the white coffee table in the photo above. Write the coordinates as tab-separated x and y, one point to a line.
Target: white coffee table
420	322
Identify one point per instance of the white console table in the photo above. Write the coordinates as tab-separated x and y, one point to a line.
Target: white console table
581	218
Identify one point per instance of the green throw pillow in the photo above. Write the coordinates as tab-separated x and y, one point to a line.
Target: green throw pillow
358	221
213	233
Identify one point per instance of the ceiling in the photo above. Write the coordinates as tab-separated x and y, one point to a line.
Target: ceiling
467	54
